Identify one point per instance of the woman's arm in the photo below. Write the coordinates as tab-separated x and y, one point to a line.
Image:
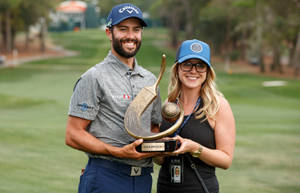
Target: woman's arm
225	140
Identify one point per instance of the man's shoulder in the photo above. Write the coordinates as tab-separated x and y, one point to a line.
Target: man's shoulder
147	73
95	70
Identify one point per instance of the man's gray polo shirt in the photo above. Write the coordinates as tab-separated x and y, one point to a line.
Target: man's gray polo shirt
102	95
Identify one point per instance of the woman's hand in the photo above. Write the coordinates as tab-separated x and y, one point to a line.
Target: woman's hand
187	146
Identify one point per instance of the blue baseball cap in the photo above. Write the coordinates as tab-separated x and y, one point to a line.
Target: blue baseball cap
193	49
122	12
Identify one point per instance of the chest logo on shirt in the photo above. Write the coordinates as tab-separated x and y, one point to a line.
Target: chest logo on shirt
84	106
126	96
121	97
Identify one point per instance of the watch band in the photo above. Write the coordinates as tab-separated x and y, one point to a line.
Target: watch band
198	152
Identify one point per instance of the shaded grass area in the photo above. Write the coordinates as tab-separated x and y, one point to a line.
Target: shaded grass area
34	101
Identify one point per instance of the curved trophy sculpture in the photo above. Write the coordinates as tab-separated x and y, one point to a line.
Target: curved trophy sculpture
145	97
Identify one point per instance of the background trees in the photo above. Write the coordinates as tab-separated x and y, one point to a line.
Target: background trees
19	15
236	29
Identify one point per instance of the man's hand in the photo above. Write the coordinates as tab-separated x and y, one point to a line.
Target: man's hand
129	151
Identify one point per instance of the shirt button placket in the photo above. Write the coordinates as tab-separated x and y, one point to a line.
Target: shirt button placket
134	91
130	78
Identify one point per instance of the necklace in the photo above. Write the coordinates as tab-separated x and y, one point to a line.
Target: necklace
188	117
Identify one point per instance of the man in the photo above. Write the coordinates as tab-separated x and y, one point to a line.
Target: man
101	96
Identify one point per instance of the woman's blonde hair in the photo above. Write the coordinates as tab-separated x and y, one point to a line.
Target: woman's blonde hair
208	93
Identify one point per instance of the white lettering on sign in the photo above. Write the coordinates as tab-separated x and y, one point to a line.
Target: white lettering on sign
153	146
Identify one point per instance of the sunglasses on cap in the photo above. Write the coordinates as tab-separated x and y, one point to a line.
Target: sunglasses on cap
188	66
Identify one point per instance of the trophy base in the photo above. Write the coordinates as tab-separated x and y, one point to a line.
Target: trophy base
158	146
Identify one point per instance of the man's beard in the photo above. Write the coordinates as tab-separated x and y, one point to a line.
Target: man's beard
117	45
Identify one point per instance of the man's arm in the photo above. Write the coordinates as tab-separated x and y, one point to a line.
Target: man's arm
78	138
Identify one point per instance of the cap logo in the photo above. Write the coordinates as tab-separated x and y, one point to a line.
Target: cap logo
196	47
129	9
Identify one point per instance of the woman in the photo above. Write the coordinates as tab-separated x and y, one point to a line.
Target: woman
207	134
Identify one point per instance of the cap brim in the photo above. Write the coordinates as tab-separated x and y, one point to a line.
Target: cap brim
193	56
122	19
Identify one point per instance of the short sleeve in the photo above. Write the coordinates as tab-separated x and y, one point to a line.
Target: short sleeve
85	99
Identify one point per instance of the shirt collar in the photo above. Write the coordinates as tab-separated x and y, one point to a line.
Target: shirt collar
123	68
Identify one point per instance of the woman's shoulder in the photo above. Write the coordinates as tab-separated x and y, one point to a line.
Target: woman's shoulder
224	107
222	100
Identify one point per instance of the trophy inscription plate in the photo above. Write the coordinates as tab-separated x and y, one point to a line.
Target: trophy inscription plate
158	146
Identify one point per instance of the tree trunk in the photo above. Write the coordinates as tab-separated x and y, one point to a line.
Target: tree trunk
27	38
174	27
296	57
42	35
13	38
259	33
1	40
243	46
7	32
228	46
292	51
276	59
189	27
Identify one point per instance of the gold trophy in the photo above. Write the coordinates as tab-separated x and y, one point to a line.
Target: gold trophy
170	112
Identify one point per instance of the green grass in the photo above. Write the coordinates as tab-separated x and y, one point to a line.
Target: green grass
34	100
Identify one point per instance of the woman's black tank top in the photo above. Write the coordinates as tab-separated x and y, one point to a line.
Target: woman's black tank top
201	132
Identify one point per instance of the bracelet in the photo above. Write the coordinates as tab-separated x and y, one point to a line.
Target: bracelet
198	152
